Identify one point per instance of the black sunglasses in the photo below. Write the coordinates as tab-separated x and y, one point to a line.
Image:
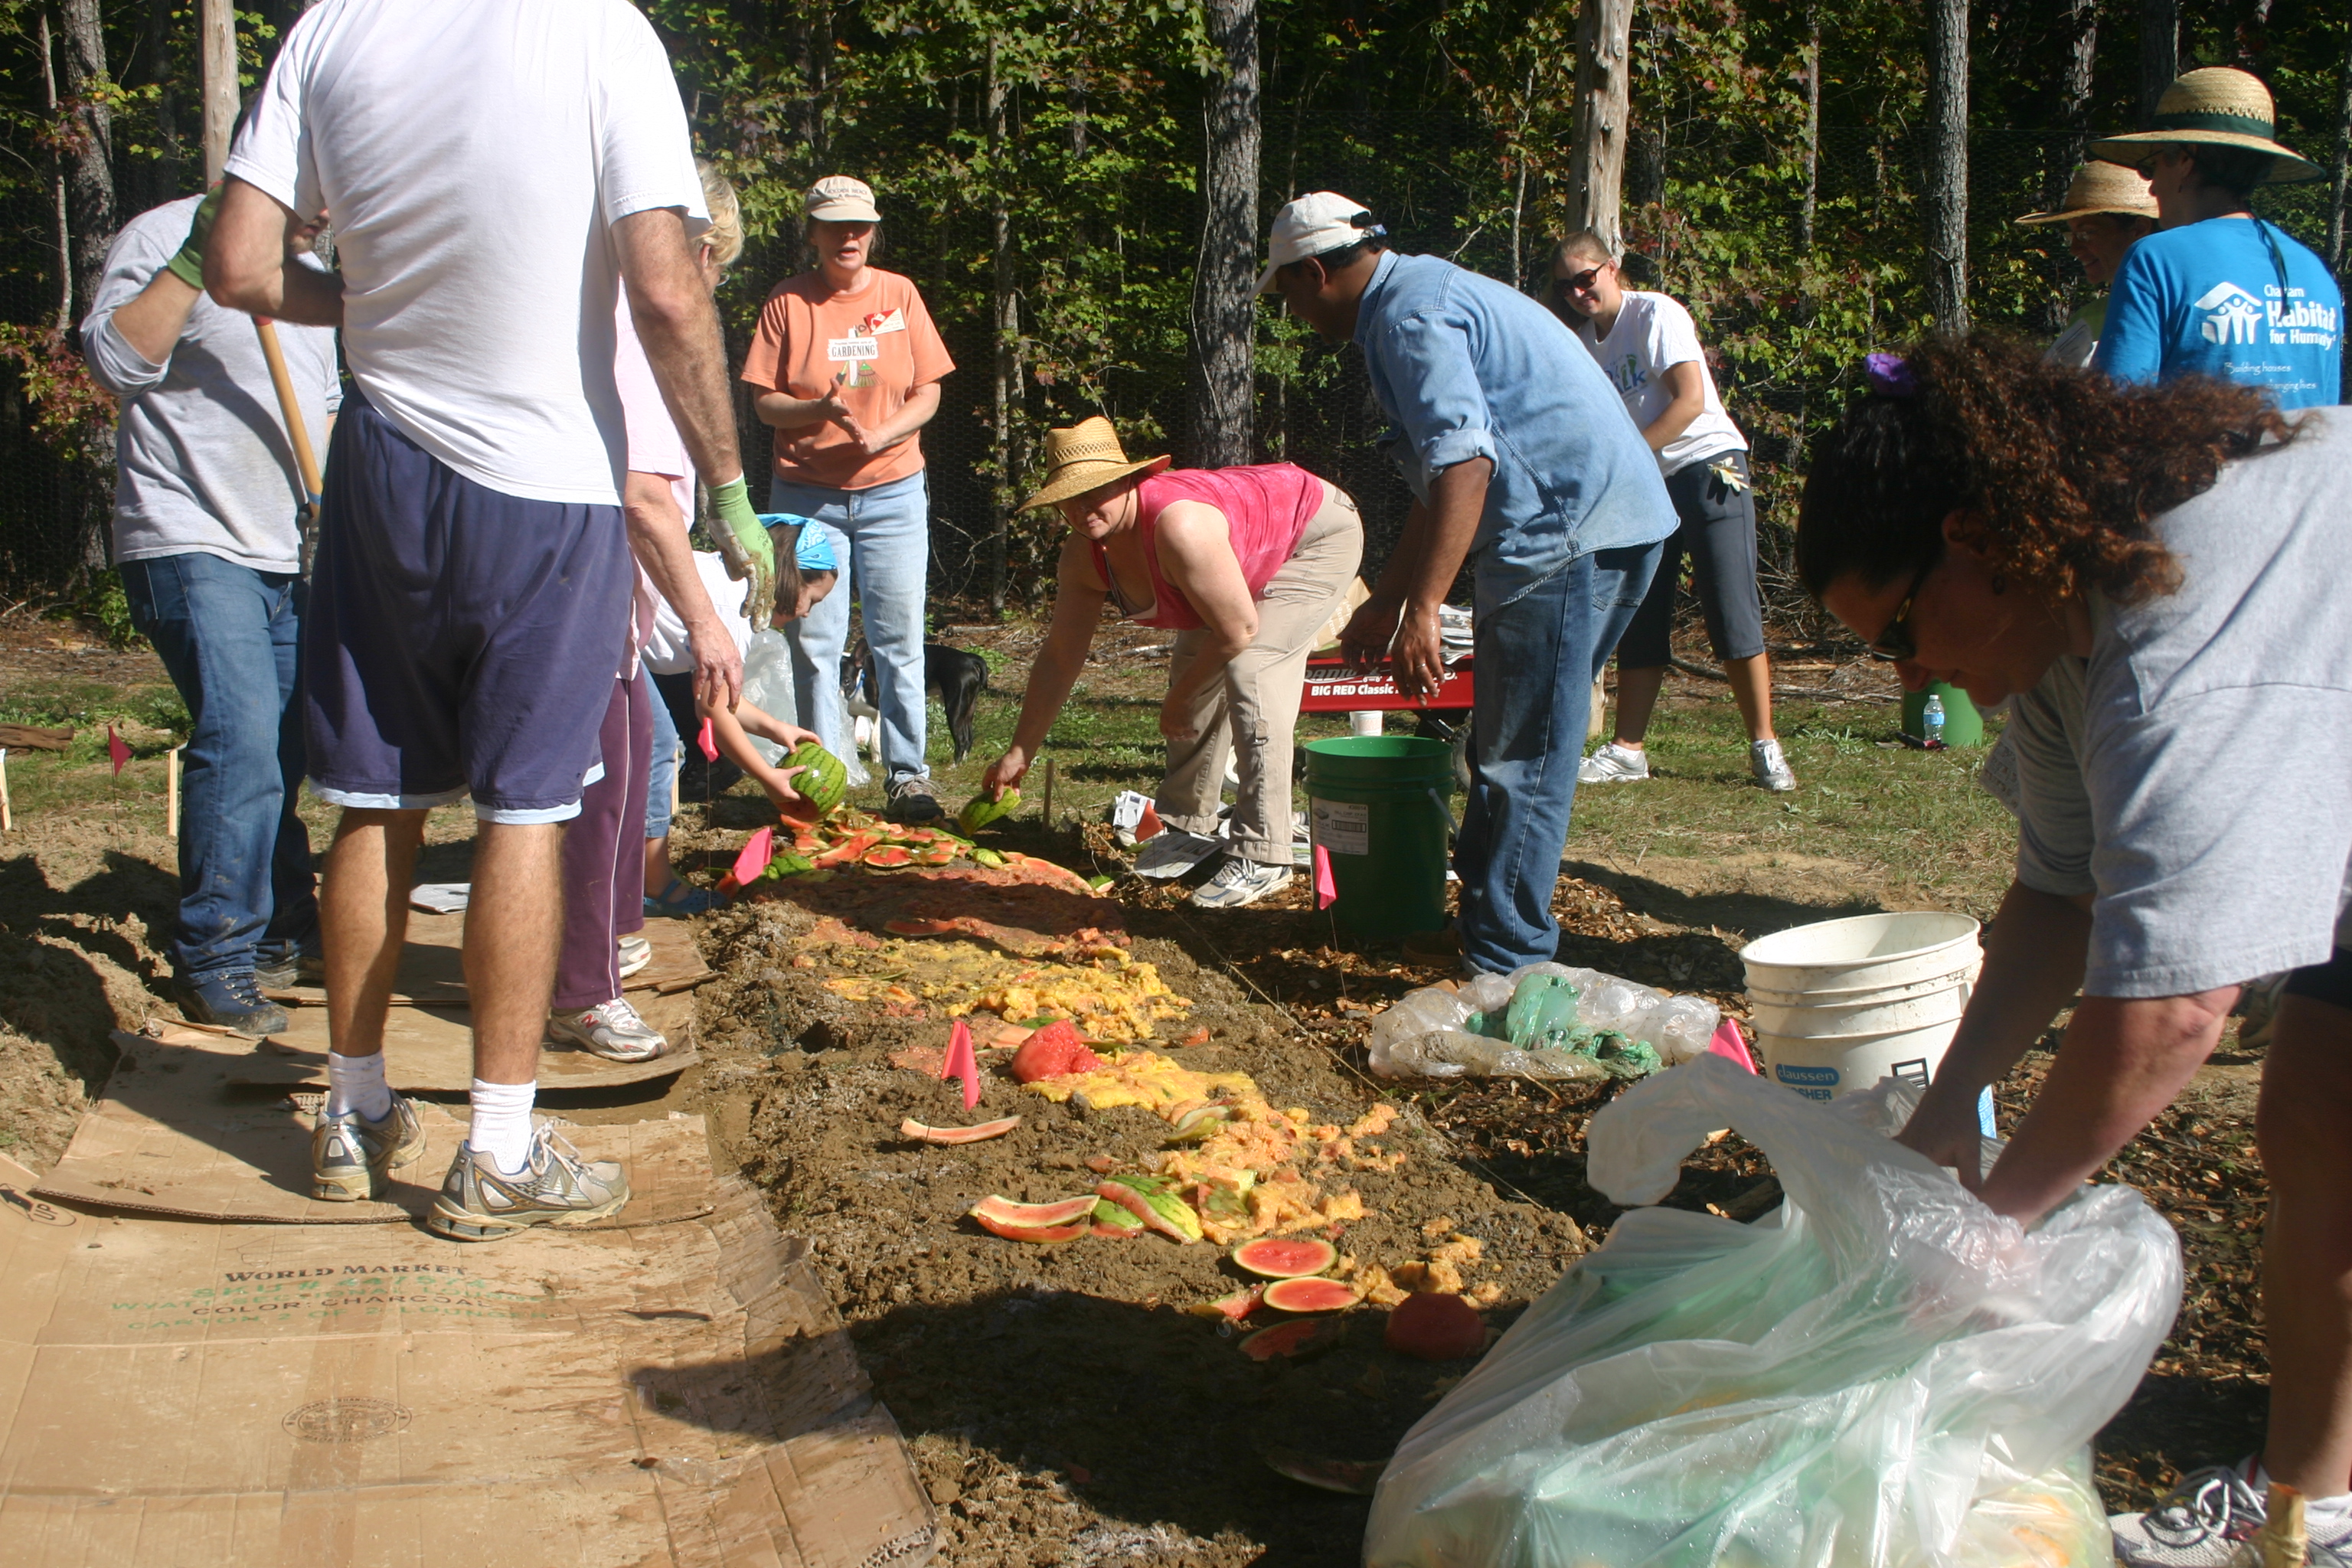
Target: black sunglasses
1896	642
1561	288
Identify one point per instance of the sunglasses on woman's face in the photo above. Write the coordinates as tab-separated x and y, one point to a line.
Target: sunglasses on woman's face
1574	283
1896	641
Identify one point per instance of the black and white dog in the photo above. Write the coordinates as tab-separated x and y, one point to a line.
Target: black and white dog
957	675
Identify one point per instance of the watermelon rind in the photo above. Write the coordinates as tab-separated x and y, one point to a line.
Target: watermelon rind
910	1128
982	811
822	781
1309	1296
1032	1215
1048	1234
889	857
1110	1216
1285	1256
1298	1339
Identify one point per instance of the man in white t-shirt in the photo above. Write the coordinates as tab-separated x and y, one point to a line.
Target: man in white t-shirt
1648	347
493	172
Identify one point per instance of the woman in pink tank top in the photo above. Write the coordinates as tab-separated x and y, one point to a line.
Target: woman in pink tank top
1247	566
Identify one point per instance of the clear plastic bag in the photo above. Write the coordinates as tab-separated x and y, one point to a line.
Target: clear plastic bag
1538	1022
768	685
1881	1373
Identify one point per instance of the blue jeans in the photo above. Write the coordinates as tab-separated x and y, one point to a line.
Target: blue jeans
664	772
229	636
1538	657
886	569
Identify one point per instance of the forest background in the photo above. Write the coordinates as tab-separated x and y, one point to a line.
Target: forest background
1065	182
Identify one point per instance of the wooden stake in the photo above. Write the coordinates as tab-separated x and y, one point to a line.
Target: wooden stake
1049	794
2284	1543
7	811
171	792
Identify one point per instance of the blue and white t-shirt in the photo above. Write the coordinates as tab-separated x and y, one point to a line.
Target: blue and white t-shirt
2230	297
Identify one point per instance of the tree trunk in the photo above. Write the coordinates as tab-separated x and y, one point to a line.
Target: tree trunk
90	131
1224	286
1947	164
58	183
1005	316
1605	33
217	29
2340	184
2160	52
1809	205
2077	38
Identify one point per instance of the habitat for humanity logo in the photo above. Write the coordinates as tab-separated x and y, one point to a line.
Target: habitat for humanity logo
2231	314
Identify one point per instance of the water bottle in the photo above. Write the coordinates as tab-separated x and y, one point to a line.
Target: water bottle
1931	723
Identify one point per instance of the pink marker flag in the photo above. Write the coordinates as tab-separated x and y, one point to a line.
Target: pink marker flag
757	853
710	747
1327	892
117	750
961	1063
1730	1045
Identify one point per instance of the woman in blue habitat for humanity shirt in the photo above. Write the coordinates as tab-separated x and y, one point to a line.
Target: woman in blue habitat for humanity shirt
2216	290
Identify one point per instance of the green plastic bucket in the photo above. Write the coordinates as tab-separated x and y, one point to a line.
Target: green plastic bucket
1963	725
1376	805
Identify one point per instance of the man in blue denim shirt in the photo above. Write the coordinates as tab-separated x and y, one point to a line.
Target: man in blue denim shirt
1522	458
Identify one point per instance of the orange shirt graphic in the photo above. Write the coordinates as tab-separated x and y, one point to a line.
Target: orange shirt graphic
879	341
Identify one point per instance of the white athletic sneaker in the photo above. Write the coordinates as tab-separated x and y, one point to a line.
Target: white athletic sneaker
2212	1519
612	1030
635	953
1613	763
1771	769
1239	882
1172	852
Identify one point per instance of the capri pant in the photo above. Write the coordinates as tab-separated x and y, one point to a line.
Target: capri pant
1718	533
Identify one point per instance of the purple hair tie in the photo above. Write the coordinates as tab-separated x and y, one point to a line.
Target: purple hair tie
1889	376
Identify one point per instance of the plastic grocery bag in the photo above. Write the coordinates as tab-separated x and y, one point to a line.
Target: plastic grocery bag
769	686
1882	1373
1515	1024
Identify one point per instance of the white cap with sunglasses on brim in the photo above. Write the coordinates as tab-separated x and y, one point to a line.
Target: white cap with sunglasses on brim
2220	107
1316	223
837	198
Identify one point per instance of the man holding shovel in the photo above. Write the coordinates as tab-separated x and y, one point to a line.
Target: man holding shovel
494	172
207	538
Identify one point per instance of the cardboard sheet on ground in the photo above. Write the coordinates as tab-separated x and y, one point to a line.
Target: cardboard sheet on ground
173	1133
433	974
187	1395
431	1049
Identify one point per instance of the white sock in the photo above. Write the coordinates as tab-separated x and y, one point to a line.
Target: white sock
502	1123
356	1083
2328	1514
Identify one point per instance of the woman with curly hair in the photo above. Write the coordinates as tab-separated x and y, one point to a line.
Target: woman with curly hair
2151	577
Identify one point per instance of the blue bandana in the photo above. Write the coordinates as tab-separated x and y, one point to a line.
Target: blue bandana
815	549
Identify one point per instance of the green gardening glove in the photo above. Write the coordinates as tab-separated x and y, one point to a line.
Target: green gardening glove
188	264
745	545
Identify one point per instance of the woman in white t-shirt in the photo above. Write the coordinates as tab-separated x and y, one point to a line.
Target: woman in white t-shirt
1649	350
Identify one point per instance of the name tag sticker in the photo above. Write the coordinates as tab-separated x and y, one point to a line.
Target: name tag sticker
839	349
879	322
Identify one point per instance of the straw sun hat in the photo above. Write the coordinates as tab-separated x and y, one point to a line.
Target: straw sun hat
2217	105
2099	186
1085	457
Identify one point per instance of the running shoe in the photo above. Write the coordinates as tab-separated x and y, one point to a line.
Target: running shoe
912	799
612	1030
352	1157
1239	882
1770	768
1613	763
635	953
2212	1519
478	1202
1172	852
2257	1009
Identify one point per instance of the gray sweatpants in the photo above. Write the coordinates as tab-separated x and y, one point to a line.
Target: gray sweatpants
1254	707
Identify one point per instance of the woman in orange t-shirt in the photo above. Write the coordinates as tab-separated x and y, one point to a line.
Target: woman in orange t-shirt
848	365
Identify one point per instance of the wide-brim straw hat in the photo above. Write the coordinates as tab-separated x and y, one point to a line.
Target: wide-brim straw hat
2221	105
1085	457
2099	186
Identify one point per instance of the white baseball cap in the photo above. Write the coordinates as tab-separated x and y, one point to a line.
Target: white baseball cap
837	198
1315	222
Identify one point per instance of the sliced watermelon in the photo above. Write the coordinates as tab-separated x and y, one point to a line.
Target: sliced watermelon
1046	1233
1436	1325
1029	1216
1285	1256
1110	1219
1309	1296
889	857
1298	1339
1054	1051
1356	1478
1240	1304
1150	1202
986	1130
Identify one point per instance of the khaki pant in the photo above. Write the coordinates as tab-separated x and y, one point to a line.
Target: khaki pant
1256	702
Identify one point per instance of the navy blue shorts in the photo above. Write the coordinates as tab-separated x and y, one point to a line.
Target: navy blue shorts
1718	533
459	640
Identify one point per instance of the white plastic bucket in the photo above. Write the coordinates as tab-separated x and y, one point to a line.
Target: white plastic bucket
1839	1005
